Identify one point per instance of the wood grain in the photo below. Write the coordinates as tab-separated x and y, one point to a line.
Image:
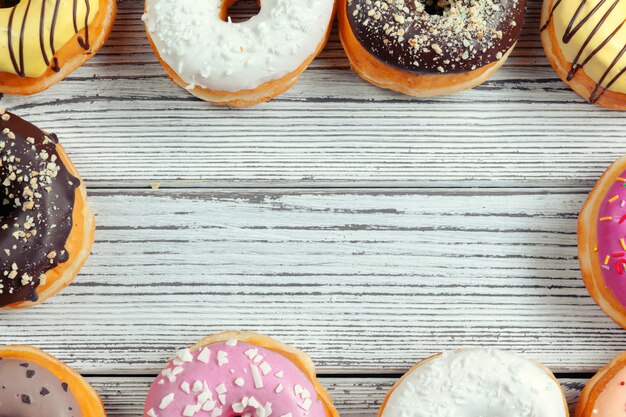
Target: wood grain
363	280
355	397
125	125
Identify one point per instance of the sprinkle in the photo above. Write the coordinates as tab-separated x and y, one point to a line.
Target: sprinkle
623	219
151	413
306	404
222	399
617	255
204	355
606	260
209	405
184	355
231	342
216	412
167	400
221	389
613	199
619	266
623	243
222	358
279	389
256	376
239	382
257	359
595	248
279	374
621	179
265	368
287	415
251	353
190	410
605	267
185	387
603	219
197	386
297	389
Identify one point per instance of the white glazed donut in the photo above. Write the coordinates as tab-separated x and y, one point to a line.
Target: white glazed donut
238	64
476	382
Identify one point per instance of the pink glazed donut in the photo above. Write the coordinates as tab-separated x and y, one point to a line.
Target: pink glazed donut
236	374
602	242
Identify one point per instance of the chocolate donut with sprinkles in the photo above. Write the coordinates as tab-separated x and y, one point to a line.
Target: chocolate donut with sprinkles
33	383
428	48
238	374
46	225
602	242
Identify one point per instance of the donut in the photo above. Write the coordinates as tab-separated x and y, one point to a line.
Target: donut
33	383
46	225
605	394
45	40
476	382
427	48
602	242
237	64
238	374
585	42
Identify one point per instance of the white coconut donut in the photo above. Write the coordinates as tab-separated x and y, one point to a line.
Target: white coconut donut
237	63
476	382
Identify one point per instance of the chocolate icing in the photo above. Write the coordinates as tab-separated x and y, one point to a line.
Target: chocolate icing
37	198
437	38
28	390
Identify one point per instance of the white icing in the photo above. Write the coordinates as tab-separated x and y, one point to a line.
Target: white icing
207	52
477	383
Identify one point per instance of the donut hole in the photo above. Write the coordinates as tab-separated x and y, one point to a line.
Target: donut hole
241	11
436	7
7	4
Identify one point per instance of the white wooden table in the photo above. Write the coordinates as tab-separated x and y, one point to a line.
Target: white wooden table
365	227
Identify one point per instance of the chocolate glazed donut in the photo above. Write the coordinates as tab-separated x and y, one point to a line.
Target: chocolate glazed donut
424	49
46	227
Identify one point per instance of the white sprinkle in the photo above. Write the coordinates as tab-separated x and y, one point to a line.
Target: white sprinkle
190	410
222	358
151	413
256	376
238	408
231	342
217	412
265	368
177	370
220	389
305	393
167	400
251	353
258	358
161	382
279	389
287	415
306	404
185	387
204	355
222	399
279	374
209	405
197	386
239	382
184	355
297	389
204	397
253	402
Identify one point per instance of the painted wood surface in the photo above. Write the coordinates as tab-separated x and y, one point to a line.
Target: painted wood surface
355	397
126	124
364	281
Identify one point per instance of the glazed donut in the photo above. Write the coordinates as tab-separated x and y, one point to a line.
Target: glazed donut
602	242
45	40
46	225
237	64
476	382
33	383
604	395
585	43
238	374
421	49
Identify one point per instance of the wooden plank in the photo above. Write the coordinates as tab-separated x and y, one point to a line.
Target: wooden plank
125	124
355	397
363	280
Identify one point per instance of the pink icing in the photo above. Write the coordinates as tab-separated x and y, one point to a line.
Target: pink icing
238	379
611	229
612	401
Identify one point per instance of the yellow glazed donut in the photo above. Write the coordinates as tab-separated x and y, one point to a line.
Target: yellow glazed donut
585	41
238	64
45	40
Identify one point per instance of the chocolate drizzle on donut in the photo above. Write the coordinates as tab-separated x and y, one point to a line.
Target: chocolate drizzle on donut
37	199
459	36
17	28
572	29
